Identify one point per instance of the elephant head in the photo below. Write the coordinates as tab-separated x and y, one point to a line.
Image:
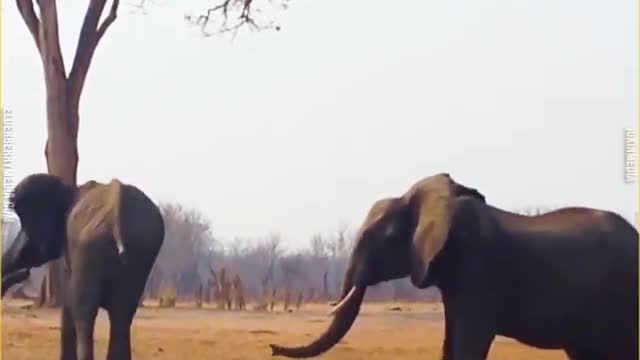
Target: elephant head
399	237
41	202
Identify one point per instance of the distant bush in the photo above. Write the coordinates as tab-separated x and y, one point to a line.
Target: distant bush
168	297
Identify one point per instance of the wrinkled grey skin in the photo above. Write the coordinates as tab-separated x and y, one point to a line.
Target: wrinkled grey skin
567	279
97	276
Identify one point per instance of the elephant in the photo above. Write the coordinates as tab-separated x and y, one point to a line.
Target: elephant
565	280
108	236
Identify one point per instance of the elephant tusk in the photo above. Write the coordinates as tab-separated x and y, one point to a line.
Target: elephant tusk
343	302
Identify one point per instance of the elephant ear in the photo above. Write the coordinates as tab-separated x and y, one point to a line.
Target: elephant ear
97	211
431	204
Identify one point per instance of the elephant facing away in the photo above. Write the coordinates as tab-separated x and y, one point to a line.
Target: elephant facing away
567	279
109	236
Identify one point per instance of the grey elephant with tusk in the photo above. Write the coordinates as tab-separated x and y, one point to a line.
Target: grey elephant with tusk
567	279
109	236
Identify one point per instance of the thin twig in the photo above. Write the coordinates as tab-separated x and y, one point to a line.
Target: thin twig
113	13
230	16
141	5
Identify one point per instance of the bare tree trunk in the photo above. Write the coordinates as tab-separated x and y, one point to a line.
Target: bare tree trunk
61	153
43	293
299	301
325	285
199	295
63	95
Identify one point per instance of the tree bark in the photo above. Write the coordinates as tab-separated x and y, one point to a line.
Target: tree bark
61	146
61	152
63	96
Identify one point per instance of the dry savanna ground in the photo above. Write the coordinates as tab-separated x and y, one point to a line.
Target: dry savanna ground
184	332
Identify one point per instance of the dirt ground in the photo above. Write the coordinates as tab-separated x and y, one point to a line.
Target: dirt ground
416	332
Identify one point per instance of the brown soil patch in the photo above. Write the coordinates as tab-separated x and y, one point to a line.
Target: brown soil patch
416	332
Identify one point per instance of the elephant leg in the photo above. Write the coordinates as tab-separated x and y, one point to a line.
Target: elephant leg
121	311
583	354
470	341
472	330
446	346
84	320
68	345
119	338
122	305
85	293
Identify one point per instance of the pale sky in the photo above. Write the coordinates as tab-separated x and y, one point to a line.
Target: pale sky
297	130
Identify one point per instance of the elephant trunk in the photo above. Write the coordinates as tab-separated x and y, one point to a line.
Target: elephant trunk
16	277
345	315
11	257
12	273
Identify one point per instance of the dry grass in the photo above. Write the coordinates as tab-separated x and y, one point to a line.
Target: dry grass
415	332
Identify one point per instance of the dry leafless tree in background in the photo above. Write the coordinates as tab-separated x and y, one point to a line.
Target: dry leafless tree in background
64	88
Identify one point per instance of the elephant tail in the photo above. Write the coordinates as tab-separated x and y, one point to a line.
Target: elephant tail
116	195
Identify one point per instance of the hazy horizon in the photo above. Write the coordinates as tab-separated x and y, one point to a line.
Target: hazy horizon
298	130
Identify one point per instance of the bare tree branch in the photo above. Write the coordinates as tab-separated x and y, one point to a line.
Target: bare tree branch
113	13
54	73
49	39
229	16
30	19
90	35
